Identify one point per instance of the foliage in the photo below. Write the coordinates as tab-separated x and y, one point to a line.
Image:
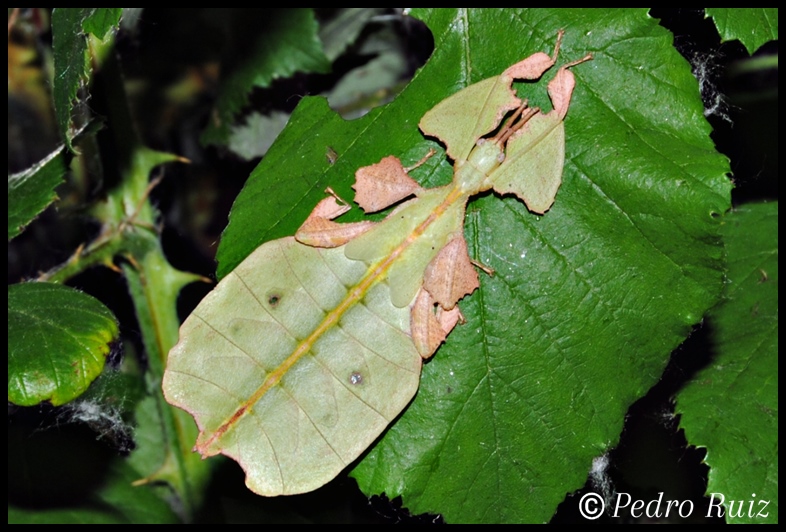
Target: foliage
740	383
587	304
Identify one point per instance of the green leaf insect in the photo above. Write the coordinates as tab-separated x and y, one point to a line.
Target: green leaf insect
299	359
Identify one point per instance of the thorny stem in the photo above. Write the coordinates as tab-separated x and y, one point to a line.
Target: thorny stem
129	219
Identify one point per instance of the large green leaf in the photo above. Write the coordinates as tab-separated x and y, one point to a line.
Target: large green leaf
58	340
731	407
587	301
753	27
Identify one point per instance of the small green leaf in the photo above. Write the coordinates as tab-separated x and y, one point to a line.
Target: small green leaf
731	407
253	138
32	190
58	340
70	62
135	504
342	30
71	65
287	43
101	20
753	26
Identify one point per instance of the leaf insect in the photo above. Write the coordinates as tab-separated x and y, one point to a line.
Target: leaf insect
297	361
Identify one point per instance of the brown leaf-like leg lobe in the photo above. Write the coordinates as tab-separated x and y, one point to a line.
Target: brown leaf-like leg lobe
382	184
535	65
429	329
561	87
450	275
319	230
330	207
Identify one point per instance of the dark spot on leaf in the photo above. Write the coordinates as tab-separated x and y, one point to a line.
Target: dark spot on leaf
273	299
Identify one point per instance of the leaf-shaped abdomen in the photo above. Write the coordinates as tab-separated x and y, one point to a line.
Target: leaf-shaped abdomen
279	379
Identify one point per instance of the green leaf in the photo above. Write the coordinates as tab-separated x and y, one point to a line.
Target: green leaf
71	65
587	302
70	62
83	514
731	407
342	30
32	190
752	27
253	138
58	340
287	43
101	20
376	81
136	504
